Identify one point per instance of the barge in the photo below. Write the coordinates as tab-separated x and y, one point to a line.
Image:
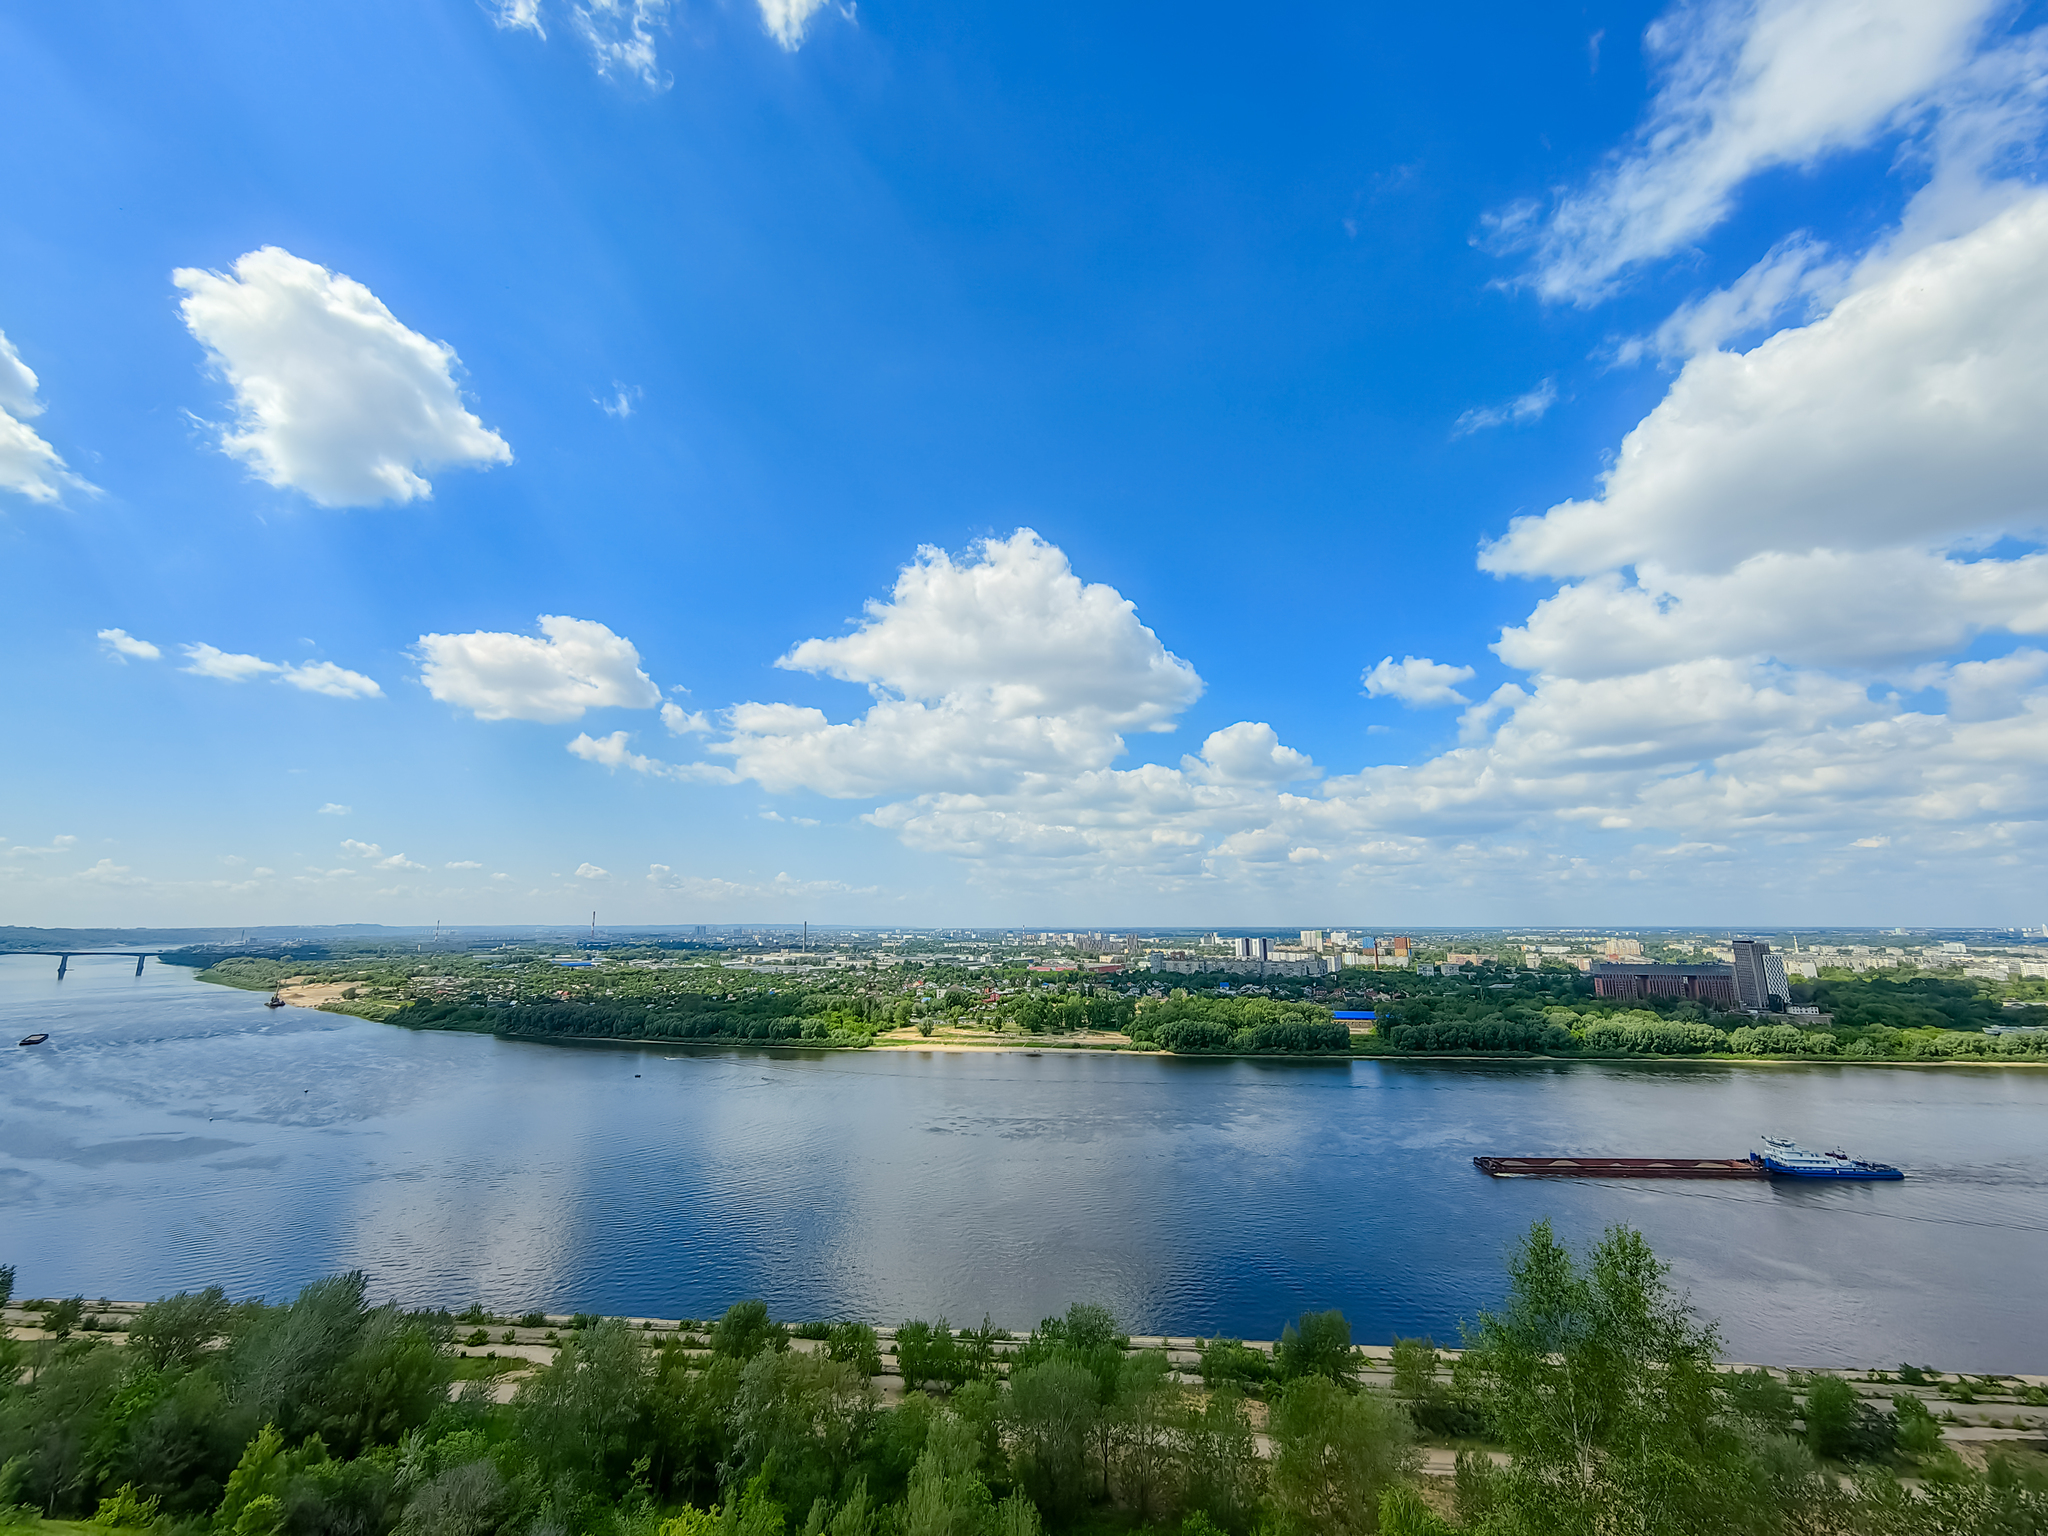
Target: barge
1622	1167
1780	1159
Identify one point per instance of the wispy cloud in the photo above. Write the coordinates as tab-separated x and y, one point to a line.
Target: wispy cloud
1745	87
621	36
787	20
518	16
310	676
120	645
1523	408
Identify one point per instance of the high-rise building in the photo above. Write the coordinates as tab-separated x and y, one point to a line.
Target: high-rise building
1312	939
1251	949
1760	985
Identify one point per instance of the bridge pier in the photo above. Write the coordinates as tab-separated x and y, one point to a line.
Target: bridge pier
138	963
63	965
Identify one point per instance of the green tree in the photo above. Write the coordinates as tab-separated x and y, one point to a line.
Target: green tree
1145	1414
1318	1345
1415	1367
1232	1362
62	1320
1223	1477
1602	1384
1919	1432
579	1416
174	1331
1335	1453
1054	1407
855	1344
1840	1426
1403	1513
928	1353
259	1474
947	1496
746	1330
124	1510
1763	1400
798	1421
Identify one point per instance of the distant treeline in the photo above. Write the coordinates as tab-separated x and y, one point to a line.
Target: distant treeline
772	1017
1061	1014
1483	1023
1197	1026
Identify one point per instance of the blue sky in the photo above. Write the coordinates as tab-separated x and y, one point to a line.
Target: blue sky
973	461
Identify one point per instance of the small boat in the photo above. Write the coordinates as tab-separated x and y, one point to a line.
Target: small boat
275	1000
1787	1159
36	1039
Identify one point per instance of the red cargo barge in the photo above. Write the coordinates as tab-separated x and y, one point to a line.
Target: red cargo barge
1623	1167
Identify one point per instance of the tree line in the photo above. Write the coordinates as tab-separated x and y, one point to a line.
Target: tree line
330	1416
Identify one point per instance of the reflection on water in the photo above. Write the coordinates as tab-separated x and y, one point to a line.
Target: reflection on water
173	1134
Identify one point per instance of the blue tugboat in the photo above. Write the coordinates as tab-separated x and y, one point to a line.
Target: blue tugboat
1789	1160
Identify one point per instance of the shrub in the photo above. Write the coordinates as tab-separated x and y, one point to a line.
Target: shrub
746	1330
1318	1345
855	1344
1227	1362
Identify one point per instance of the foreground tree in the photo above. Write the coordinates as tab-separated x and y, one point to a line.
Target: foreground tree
1601	1383
1334	1454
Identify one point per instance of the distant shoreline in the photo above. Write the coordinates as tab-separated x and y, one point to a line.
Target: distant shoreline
1040	1045
325	997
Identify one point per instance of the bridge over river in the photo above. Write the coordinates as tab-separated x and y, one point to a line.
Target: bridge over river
64	957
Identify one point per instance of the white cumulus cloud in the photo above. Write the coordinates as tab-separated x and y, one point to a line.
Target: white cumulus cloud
1752	654
462	864
121	645
685	722
1416	681
28	466
577	665
980	669
332	808
334	396
589	871
1908	414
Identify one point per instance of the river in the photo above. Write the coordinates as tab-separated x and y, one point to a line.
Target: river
172	1134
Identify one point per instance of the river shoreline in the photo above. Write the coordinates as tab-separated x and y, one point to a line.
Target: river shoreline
1042	1046
326	997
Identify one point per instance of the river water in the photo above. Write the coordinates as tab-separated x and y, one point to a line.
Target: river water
173	1134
